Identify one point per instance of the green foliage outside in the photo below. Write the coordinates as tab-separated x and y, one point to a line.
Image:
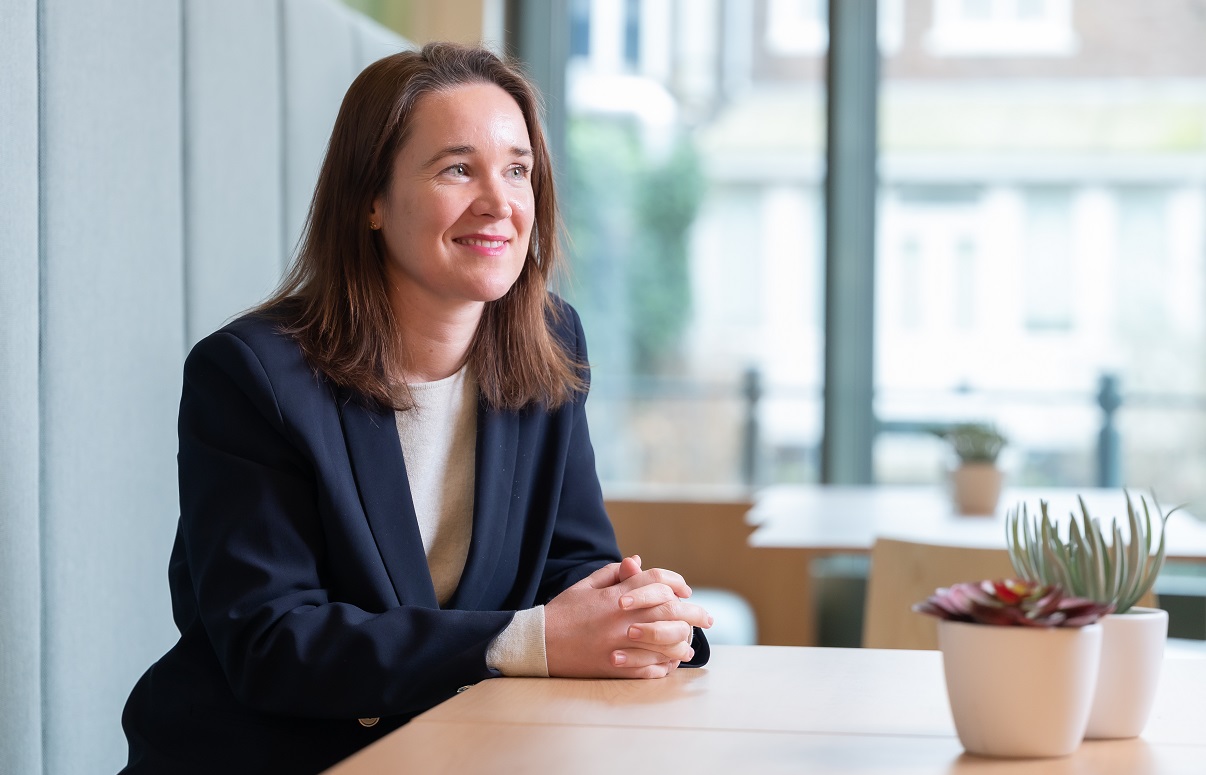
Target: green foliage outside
628	218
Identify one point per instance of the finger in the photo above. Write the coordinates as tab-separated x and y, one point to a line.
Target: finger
657	576
636	659
629	567
648	596
680	610
679	651
660	633
694	615
606	576
660	670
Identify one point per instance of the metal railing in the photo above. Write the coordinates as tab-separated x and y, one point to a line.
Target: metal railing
751	391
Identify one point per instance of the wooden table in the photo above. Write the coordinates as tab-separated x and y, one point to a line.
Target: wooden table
760	709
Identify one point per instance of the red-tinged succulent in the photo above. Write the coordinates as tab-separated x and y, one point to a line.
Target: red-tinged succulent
1010	602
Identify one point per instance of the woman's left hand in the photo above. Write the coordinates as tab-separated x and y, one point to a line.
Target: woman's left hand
669	638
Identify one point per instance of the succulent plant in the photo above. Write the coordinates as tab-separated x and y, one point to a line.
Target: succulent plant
1119	573
973	442
1012	603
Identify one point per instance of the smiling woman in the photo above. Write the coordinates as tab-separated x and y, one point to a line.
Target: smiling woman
387	485
456	218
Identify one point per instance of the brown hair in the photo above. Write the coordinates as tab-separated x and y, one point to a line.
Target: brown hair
334	298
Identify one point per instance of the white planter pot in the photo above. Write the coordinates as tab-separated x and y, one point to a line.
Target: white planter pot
1020	691
976	488
1132	650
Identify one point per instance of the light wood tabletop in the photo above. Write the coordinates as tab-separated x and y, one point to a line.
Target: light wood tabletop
760	709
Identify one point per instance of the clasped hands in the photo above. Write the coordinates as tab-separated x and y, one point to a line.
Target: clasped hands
622	622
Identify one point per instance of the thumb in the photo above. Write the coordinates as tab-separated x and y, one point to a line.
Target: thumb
612	573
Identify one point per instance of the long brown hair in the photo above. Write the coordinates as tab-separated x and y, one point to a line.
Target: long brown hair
334	299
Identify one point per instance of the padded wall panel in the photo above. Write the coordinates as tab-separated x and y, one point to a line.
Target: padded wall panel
372	42
112	353
232	158
320	63
20	573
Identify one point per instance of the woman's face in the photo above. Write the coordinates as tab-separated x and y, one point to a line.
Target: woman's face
457	215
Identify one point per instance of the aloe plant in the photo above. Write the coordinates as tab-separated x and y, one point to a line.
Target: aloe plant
973	442
1119	572
1012	603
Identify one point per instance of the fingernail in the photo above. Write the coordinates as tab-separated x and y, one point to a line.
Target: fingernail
634	632
618	658
626	601
709	621
637	557
691	655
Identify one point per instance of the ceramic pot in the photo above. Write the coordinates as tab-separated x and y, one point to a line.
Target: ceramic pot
1132	650
1021	692
976	488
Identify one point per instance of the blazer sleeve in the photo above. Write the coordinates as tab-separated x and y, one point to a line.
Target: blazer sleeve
260	566
583	539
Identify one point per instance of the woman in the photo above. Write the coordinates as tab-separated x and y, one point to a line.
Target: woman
387	485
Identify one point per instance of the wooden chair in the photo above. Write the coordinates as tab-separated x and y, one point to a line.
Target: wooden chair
707	541
903	573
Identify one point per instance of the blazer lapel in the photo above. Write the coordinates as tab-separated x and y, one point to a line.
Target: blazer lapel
380	474
494	478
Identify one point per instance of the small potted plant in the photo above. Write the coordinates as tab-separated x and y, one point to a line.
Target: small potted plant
1021	662
1116	573
976	481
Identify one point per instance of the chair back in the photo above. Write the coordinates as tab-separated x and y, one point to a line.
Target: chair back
903	573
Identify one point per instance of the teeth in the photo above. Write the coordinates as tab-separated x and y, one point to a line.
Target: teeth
482	243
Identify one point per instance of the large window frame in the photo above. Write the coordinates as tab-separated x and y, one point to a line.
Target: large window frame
849	423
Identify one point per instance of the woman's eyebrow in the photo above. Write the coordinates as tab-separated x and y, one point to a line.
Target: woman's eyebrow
452	150
468	150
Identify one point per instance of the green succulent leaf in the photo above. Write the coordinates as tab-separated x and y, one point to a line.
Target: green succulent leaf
1118	570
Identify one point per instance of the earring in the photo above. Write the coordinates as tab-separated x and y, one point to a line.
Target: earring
374	225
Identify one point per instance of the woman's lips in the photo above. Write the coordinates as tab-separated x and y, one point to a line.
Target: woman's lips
483	243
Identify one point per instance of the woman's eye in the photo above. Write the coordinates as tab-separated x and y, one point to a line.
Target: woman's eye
458	169
518	172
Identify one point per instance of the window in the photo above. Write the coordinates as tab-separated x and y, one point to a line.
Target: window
1048	213
801	27
694	214
1012	28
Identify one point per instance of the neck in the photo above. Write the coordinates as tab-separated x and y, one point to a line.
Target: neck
435	339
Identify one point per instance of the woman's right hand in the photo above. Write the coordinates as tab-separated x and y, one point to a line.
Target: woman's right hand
622	622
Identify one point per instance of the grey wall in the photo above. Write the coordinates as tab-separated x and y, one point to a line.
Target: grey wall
20	565
156	163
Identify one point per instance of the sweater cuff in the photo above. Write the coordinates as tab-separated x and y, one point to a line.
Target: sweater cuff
519	649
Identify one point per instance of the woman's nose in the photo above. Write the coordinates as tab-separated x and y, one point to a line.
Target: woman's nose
492	200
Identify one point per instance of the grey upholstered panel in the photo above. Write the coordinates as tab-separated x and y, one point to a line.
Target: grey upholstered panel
112	353
372	41
320	63
20	566
232	158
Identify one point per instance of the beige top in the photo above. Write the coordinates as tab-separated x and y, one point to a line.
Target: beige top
439	441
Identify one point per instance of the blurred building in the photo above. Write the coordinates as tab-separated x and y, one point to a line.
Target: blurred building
1042	219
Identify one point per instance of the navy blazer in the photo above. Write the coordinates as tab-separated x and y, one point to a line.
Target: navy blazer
298	578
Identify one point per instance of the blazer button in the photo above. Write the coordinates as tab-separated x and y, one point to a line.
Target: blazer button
369	722
462	689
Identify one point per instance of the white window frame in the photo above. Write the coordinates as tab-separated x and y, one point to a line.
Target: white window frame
1004	33
795	29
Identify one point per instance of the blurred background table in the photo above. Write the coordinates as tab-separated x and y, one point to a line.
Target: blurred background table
847	519
797	554
760	709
